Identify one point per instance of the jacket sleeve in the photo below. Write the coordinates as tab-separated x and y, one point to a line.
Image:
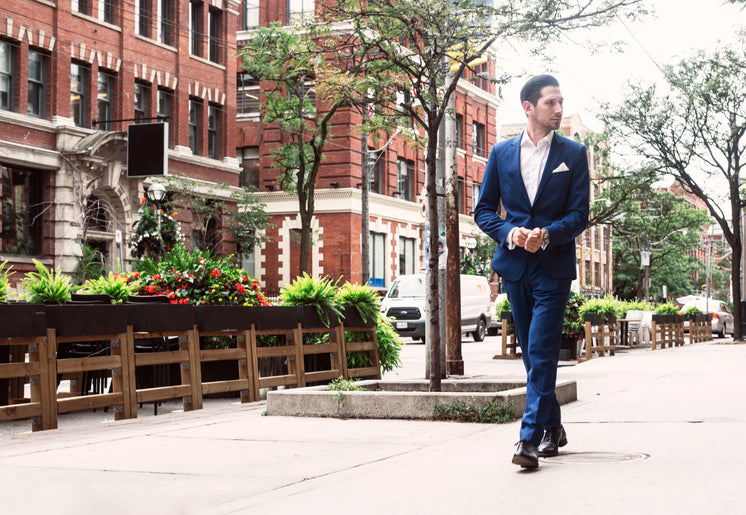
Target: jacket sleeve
486	212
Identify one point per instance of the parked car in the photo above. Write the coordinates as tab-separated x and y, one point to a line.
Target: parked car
722	318
405	303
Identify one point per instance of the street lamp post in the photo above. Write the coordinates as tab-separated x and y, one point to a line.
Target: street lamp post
157	194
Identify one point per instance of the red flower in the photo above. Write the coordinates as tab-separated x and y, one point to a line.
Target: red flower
215	273
150	288
240	288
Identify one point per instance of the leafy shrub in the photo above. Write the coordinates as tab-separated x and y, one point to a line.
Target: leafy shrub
148	240
90	265
572	325
47	286
319	293
117	286
4	282
605	307
196	278
692	310
362	297
633	305
667	309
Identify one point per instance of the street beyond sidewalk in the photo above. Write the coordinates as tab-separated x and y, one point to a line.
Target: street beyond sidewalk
651	432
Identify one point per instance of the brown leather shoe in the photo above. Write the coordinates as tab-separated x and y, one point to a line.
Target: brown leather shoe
552	441
526	455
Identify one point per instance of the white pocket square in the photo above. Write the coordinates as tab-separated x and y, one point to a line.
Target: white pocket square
561	168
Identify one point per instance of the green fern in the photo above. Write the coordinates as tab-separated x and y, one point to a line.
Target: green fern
4	281
319	293
114	285
47	286
362	297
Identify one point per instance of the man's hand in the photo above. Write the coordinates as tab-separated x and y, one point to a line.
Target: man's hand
530	239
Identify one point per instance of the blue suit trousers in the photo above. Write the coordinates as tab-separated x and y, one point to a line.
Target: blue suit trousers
538	303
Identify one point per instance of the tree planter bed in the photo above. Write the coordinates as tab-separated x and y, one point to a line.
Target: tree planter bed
402	399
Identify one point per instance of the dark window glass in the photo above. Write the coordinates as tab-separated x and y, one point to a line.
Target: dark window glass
143	17
37	77
21	222
105	101
247	94
213	131
7	72
375	171
195	28
194	124
165	22
142	96
165	101
78	87
215	20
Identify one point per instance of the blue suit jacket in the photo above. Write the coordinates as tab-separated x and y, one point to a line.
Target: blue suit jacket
561	206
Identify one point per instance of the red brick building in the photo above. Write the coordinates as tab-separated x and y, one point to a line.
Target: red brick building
397	182
73	75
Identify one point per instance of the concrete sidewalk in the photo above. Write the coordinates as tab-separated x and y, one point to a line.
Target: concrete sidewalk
651	432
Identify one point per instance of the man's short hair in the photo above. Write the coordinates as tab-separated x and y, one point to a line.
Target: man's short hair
531	91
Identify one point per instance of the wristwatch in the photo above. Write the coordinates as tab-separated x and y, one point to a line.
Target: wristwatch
545	241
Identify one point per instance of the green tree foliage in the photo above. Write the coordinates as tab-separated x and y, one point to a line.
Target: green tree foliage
304	91
669	227
695	133
243	217
478	260
422	47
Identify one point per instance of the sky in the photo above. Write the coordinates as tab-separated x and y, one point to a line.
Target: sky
586	78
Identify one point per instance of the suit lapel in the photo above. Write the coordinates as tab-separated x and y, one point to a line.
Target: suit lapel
553	161
515	169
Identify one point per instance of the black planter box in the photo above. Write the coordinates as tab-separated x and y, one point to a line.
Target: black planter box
276	317
310	319
506	315
596	319
351	318
225	318
157	317
23	320
86	319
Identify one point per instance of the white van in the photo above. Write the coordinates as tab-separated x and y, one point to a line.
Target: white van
405	303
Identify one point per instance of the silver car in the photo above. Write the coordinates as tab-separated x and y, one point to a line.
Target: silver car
722	318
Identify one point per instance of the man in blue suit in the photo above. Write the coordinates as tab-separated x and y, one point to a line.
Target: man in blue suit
541	181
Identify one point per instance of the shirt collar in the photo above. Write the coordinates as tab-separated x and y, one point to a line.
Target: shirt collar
526	141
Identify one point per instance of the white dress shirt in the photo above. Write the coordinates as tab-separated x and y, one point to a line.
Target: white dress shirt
533	160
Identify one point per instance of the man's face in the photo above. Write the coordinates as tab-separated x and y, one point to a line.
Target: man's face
546	115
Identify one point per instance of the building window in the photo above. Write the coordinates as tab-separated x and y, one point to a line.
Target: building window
142	96
7	69
248	158
250	14
21	221
588	272
375	171
214	20
459	131
78	88
143	15
406	255
81	6
460	196
247	95
195	108
37	77
377	259
165	22
405	176
477	139
105	101
476	189
165	100
300	8
213	133
195	28
106	11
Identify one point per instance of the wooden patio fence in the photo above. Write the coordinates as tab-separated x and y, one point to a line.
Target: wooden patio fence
41	345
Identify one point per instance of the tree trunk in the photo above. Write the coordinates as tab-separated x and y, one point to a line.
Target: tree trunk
365	216
432	262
